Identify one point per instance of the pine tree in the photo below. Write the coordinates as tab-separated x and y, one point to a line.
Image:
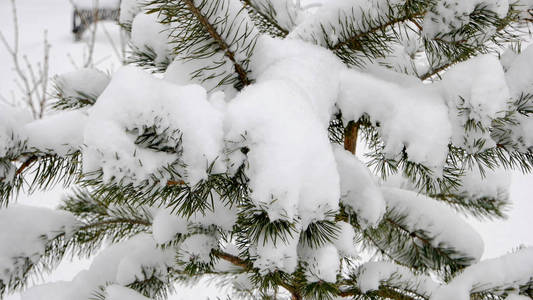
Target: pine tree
227	149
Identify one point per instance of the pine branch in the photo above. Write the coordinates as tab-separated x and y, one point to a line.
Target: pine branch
243	76
26	164
354	40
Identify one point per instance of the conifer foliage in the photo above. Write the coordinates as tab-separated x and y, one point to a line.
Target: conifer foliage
226	149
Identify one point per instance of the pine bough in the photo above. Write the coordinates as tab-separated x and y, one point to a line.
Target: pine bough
235	161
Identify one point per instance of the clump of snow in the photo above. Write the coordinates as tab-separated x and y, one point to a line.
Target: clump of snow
285	175
117	292
11	121
322	263
166	225
61	133
359	189
475	90
439	223
493	184
277	255
284	138
197	248
412	116
345	241
147	34
27	230
123	263
480	82
135	101
448	15
312	69
519	75
83	83
373	274
508	271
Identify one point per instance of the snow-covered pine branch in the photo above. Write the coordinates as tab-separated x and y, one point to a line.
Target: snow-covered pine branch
229	161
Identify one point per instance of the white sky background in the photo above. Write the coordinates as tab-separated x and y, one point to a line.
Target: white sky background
55	15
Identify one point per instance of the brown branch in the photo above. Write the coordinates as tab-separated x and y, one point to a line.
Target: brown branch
350	136
432	72
243	77
26	164
116	221
175	182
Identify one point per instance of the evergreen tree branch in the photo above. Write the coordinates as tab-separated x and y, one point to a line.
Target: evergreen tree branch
242	74
354	40
27	163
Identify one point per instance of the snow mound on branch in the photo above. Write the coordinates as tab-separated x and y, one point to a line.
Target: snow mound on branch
282	119
27	230
345	241
372	274
122	263
323	263
135	101
277	255
197	248
147	34
314	70
291	166
413	117
439	222
359	189
475	90
480	83
519	77
11	121
520	73
449	15
84	82
166	225
508	271
493	184
59	134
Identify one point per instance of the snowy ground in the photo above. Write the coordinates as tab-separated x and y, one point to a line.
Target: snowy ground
65	55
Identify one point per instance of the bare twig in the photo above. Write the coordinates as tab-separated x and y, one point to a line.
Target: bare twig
32	84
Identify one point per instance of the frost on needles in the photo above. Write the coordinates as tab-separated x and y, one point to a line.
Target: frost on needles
226	149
